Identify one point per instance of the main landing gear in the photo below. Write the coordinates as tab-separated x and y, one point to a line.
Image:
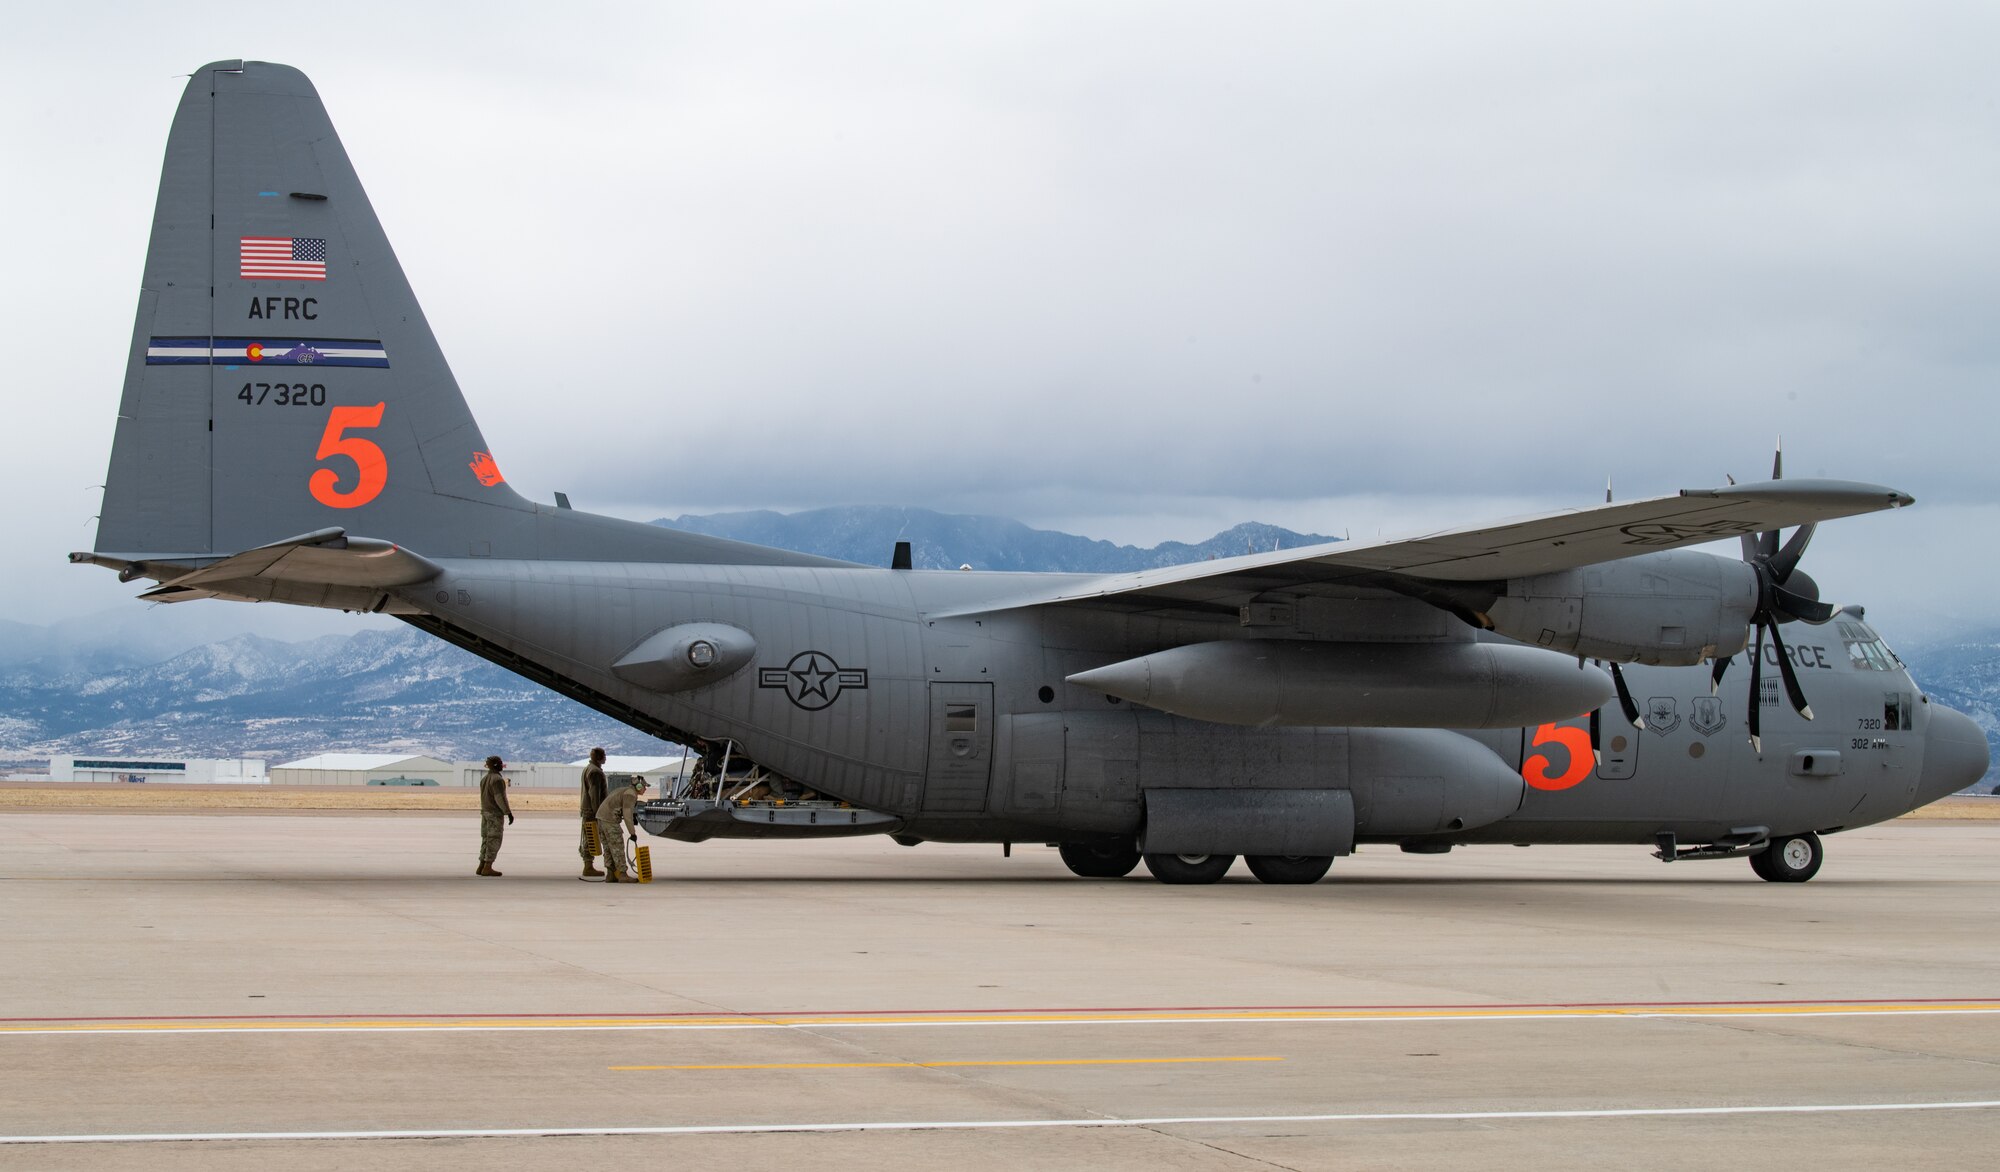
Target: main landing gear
1106	859
1289	868
1791	858
1267	868
1114	858
1189	869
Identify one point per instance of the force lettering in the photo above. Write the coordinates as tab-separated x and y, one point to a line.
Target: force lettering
285	308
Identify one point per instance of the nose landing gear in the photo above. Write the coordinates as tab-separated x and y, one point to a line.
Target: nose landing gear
1791	858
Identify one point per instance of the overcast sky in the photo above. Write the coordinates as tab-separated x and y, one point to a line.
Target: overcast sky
1138	271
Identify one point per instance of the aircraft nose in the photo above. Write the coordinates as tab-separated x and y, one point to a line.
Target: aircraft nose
1955	755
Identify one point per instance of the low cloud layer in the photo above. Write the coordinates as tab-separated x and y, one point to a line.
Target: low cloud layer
1140	270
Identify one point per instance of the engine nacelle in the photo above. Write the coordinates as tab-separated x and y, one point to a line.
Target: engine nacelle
1673	608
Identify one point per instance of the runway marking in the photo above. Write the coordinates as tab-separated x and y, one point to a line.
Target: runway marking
802	1014
998	1124
935	1020
932	1065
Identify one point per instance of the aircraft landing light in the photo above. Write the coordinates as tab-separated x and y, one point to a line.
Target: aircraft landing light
20	1027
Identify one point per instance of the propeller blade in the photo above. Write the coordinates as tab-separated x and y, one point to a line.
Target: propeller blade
1596	738
1750	547
1778	460
1767	543
1793	692
1798	606
1788	557
1715	674
1756	690
1626	704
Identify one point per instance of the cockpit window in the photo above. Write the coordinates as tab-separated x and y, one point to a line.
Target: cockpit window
1865	650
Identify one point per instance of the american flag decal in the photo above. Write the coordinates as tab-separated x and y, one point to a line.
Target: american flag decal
283	258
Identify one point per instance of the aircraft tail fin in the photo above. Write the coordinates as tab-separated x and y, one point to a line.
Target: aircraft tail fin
284	392
282	378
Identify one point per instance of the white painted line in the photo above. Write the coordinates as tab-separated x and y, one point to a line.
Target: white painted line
995	1124
970	1023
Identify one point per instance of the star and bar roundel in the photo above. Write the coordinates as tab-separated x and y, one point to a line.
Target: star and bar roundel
812	680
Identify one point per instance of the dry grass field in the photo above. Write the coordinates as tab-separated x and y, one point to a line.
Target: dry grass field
291	799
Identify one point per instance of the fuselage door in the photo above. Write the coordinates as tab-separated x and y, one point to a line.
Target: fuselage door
961	757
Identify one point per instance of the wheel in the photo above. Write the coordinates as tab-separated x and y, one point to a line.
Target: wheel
1791	858
1289	868
1105	859
1189	868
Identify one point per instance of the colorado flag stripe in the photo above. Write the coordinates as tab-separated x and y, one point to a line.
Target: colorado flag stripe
265	352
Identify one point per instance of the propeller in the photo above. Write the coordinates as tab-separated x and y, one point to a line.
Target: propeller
1626	704
1784	594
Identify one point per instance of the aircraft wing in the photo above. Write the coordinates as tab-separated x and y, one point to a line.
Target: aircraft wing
1515	548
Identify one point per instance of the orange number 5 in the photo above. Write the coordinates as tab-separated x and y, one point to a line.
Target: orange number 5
371	464
1535	770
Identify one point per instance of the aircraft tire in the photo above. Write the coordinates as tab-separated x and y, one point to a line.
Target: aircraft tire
1289	868
1791	858
1189	869
1100	860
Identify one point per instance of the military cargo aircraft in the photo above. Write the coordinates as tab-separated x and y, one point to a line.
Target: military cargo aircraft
289	432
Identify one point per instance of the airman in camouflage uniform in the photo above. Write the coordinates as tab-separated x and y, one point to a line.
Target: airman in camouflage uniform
492	808
614	821
592	796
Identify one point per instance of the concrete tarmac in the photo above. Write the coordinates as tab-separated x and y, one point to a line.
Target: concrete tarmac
338	991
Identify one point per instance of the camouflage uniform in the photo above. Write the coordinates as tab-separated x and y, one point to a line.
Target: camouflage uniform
615	817
493	811
592	797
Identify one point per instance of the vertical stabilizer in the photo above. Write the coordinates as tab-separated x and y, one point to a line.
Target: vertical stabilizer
282	378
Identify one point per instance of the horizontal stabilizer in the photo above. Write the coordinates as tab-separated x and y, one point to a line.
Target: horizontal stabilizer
323	558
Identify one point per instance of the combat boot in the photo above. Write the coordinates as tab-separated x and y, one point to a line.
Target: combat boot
611	875
590	871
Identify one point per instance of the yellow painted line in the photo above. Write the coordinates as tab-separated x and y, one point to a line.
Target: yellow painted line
935	1065
1468	1013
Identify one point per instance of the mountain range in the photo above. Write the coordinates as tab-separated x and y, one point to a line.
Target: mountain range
228	680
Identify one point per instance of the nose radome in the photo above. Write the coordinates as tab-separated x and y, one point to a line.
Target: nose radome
1955	755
